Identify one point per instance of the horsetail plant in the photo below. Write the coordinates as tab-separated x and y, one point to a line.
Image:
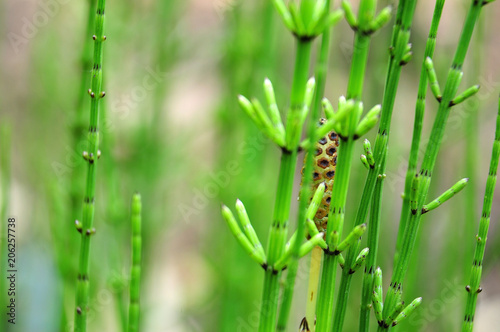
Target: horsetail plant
79	122
306	21
349	129
399	313
135	274
419	117
472	147
421	181
316	253
91	156
412	166
305	193
473	288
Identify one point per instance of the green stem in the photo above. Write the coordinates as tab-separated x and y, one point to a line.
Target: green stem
354	91
417	128
472	147
305	193
371	259
335	222
321	73
135	275
79	122
96	93
279	226
450	90
400	38
473	289
344	158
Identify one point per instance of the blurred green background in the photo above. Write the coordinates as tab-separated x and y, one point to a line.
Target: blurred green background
172	130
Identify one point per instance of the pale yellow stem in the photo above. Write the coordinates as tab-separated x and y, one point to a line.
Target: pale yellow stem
312	291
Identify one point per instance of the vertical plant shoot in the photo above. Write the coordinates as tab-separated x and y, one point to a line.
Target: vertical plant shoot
135	275
91	156
473	288
349	129
422	180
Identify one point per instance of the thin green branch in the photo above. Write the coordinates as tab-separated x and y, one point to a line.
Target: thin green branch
399	50
417	124
135	273
473	289
91	156
472	153
79	122
371	260
279	227
320	77
344	158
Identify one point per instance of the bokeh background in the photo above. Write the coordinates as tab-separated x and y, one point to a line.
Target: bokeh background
172	130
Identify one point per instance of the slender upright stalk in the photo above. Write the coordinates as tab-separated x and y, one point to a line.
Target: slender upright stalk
400	38
417	125
79	122
316	255
371	259
305	192
91	155
421	183
279	226
473	289
135	275
344	158
78	131
472	144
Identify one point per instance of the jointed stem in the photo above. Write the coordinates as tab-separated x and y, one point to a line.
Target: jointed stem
135	280
279	226
473	289
450	90
419	116
344	158
472	151
370	264
96	93
305	193
316	255
401	34
79	122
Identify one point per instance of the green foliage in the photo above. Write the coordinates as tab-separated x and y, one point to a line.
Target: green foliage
176	127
